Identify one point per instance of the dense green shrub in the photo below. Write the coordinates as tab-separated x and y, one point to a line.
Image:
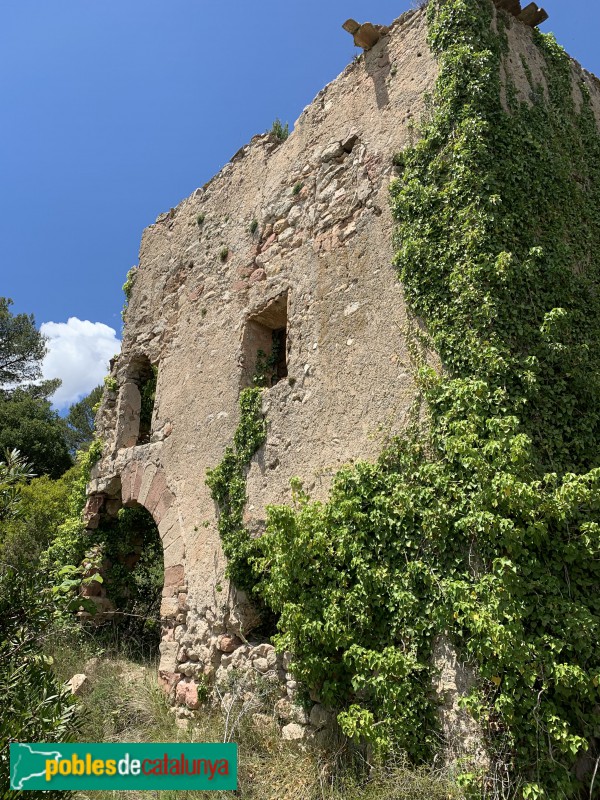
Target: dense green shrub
34	706
29	424
279	130
43	508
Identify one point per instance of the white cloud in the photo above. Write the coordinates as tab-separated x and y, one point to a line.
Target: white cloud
78	354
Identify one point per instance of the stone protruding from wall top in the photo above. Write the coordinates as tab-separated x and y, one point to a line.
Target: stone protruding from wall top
366	35
531	15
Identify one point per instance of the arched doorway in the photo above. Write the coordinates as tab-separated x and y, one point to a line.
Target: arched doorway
128	554
135	522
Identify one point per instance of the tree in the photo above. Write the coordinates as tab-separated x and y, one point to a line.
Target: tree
14	471
22	346
43	508
80	421
35	707
28	424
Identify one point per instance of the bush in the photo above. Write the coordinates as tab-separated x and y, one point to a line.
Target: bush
35	707
279	130
43	505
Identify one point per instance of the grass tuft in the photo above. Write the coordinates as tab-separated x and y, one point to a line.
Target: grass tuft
124	703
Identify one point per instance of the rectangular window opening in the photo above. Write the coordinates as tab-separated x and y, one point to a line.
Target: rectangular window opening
264	344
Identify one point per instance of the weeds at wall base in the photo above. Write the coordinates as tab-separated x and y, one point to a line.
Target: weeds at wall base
123	703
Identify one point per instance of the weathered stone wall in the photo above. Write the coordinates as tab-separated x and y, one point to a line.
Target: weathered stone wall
319	263
323	249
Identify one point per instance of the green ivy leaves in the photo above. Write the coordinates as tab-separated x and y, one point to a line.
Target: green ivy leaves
227	483
485	526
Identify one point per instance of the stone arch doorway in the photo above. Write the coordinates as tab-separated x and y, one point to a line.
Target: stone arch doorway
138	512
127	552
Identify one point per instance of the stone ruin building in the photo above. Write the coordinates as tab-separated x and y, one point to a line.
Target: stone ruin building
292	240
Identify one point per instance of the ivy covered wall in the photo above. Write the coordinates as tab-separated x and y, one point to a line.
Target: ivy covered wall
482	522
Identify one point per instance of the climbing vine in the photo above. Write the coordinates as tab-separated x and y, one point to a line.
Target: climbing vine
128	289
227	483
483	525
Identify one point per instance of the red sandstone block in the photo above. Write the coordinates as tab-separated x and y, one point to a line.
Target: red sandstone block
137	482
163	505
158	486
168	681
268	243
258	275
174	575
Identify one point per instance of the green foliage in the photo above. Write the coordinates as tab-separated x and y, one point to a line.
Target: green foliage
43	509
265	369
68	543
200	220
253	227
224	254
129	283
35	707
14	471
297	188
111	384
279	130
22	347
353	588
80	420
128	289
513	311
130	550
28	424
227	483
484	525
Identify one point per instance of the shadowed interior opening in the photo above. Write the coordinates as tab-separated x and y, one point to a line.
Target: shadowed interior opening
264	361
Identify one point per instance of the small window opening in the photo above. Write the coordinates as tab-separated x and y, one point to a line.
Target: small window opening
148	395
136	403
143	374
265	345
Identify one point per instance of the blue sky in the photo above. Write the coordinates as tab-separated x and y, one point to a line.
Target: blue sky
112	112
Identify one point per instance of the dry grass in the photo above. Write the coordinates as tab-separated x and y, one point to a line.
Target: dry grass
125	704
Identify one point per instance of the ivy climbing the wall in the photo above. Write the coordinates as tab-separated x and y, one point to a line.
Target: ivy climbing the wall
483	524
227	483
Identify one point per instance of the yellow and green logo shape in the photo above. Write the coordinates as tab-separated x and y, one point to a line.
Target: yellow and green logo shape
123	766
